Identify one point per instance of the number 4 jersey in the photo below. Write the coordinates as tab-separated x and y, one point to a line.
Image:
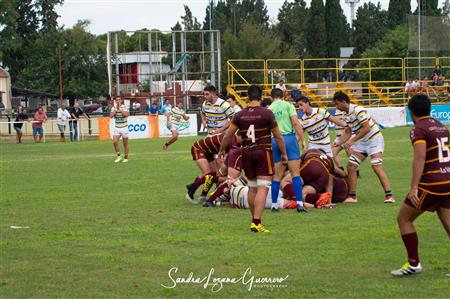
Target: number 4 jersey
436	173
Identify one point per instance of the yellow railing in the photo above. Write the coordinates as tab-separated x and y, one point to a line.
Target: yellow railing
368	81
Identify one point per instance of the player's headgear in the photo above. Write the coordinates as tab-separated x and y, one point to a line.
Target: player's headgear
254	92
420	105
341	97
276	93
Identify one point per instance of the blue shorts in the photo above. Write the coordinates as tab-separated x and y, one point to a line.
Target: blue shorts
292	148
37	131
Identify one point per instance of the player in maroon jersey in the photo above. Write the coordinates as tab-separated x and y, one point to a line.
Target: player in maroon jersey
204	152
340	192
256	124
430	183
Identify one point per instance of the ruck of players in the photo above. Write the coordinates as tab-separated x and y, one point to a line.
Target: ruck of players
265	156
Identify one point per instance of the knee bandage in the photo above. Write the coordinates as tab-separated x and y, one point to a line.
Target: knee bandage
376	161
354	160
263	183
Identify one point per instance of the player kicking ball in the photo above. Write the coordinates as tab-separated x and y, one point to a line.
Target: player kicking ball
256	124
174	117
119	113
430	183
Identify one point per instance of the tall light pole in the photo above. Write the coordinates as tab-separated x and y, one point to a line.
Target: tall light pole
352	4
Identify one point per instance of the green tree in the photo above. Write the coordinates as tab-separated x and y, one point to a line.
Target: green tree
315	36
336	27
369	27
48	14
292	22
398	12
428	8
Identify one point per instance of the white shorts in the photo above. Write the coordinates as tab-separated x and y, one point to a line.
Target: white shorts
325	148
121	132
172	127
370	147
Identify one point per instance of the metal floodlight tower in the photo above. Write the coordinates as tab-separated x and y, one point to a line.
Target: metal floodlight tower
352	8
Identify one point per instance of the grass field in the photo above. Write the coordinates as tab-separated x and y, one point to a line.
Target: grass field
102	230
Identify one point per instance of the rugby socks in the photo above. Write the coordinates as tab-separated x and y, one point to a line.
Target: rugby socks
412	248
210	178
297	184
388	194
352	195
311	198
275	190
200	180
118	154
256	221
289	190
218	192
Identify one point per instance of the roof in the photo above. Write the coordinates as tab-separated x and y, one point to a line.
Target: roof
3	73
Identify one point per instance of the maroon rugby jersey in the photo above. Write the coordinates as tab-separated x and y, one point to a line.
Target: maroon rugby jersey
319	156
255	125
436	173
211	144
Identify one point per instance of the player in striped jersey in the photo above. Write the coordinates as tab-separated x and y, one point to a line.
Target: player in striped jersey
315	122
239	198
430	182
174	117
363	137
216	113
233	103
119	112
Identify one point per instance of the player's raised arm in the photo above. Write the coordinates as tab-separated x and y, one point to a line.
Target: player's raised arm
111	113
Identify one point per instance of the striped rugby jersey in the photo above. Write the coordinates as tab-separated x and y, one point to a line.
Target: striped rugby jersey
217	114
121	121
338	129
357	116
176	115
316	125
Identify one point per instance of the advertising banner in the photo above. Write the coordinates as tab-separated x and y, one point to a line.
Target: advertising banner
439	112
187	128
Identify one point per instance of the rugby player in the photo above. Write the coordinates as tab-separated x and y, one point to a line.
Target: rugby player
216	112
363	138
256	124
430	183
120	114
315	122
288	124
204	153
174	117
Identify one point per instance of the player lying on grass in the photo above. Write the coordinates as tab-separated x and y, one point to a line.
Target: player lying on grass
363	138
174	117
317	171
430	183
204	153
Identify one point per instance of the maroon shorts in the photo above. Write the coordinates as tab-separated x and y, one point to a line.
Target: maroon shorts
315	174
340	190
257	162
234	159
430	201
199	154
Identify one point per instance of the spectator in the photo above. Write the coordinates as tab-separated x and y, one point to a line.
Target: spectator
295	93
21	117
153	109
437	72
166	107
233	103
76	113
281	85
416	85
425	86
63	115
39	118
409	88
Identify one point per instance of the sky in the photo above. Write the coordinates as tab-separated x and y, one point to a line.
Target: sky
113	15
